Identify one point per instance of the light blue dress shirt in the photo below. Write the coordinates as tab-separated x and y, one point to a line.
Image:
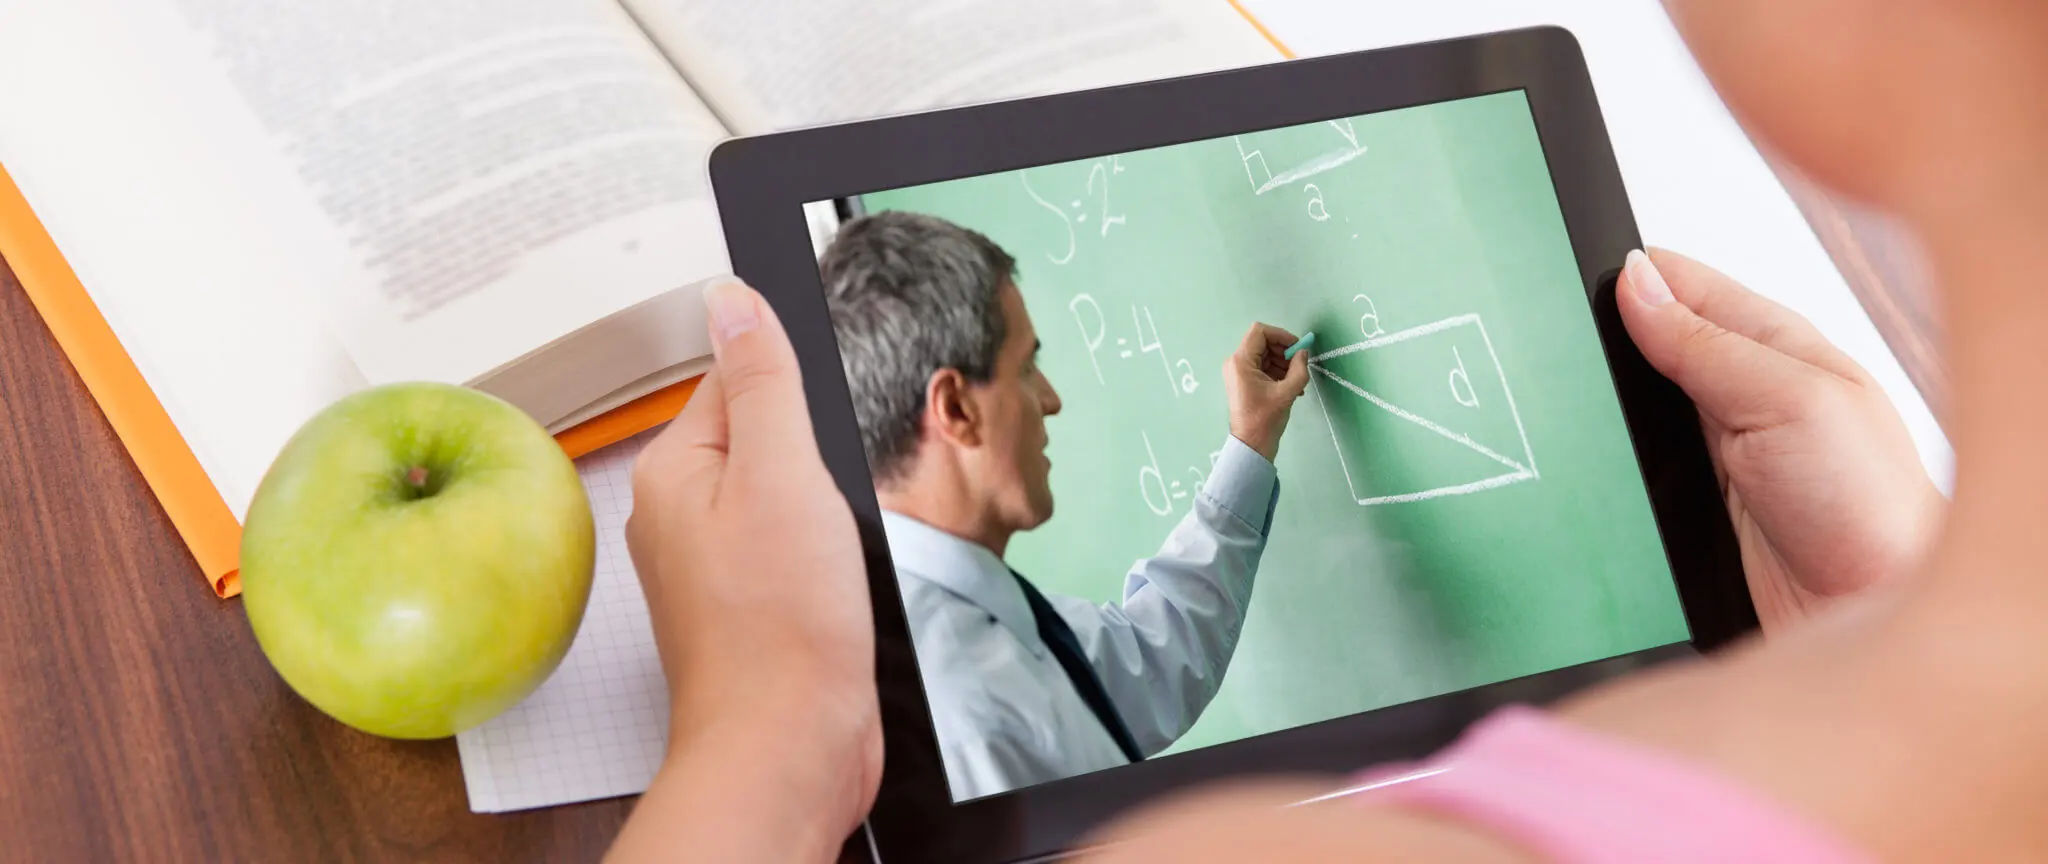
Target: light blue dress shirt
1006	713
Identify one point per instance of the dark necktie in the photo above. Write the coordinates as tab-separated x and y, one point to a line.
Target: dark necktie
1067	649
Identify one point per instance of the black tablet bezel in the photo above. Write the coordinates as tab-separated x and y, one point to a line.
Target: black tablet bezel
761	184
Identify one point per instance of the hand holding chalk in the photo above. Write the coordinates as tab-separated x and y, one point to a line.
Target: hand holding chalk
1261	388
1306	340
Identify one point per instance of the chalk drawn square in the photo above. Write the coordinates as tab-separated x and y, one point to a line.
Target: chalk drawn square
1421	430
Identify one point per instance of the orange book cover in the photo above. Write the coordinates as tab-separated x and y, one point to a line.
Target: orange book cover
166	462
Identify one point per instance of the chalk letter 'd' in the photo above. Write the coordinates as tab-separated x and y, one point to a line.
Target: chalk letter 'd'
1151	471
1469	398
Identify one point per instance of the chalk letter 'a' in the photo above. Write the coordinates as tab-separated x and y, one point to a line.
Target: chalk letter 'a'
1469	398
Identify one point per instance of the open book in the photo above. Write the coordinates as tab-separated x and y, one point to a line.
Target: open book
275	204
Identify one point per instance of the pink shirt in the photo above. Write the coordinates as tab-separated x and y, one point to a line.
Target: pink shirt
1570	794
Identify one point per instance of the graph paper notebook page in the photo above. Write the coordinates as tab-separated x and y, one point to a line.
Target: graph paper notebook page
596	729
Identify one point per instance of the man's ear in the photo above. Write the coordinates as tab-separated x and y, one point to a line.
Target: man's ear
951	410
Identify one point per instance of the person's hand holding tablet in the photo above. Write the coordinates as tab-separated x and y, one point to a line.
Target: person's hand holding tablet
743	606
1803	747
1098	572
755	584
1822	481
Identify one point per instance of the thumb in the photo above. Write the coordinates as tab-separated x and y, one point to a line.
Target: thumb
1296	381
1733	379
757	374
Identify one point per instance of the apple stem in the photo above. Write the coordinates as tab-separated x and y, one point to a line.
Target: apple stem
416	477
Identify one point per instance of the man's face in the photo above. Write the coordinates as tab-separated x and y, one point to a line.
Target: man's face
1015	402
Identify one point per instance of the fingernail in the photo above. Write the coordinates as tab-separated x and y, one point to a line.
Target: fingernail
733	313
1647	282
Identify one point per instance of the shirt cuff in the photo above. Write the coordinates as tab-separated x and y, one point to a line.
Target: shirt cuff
1245	484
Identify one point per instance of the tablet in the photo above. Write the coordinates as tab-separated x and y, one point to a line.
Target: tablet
1013	320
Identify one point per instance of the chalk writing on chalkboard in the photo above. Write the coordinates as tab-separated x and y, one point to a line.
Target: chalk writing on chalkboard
1369	320
1335	157
1180	374
1263	180
1455	420
1096	204
1452	217
1151	479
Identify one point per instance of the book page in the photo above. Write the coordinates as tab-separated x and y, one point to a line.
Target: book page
167	211
503	171
765	67
274	205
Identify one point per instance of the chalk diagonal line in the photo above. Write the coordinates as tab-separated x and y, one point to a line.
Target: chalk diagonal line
1336	441
1420	420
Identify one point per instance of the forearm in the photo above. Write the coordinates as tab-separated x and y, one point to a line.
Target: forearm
1205	565
1162	652
730	794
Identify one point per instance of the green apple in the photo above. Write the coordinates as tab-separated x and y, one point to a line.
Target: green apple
417	559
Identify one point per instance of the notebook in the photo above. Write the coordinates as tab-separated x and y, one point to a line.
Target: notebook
598	727
232	213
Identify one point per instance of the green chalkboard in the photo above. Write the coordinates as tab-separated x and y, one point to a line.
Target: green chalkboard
1459	501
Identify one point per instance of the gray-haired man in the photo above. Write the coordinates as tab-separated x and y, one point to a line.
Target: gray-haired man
941	359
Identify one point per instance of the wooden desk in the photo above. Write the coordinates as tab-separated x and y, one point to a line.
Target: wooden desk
138	721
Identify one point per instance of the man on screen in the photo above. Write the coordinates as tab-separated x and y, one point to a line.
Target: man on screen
941	361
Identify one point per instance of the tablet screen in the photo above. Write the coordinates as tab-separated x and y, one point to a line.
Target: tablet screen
1096	570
